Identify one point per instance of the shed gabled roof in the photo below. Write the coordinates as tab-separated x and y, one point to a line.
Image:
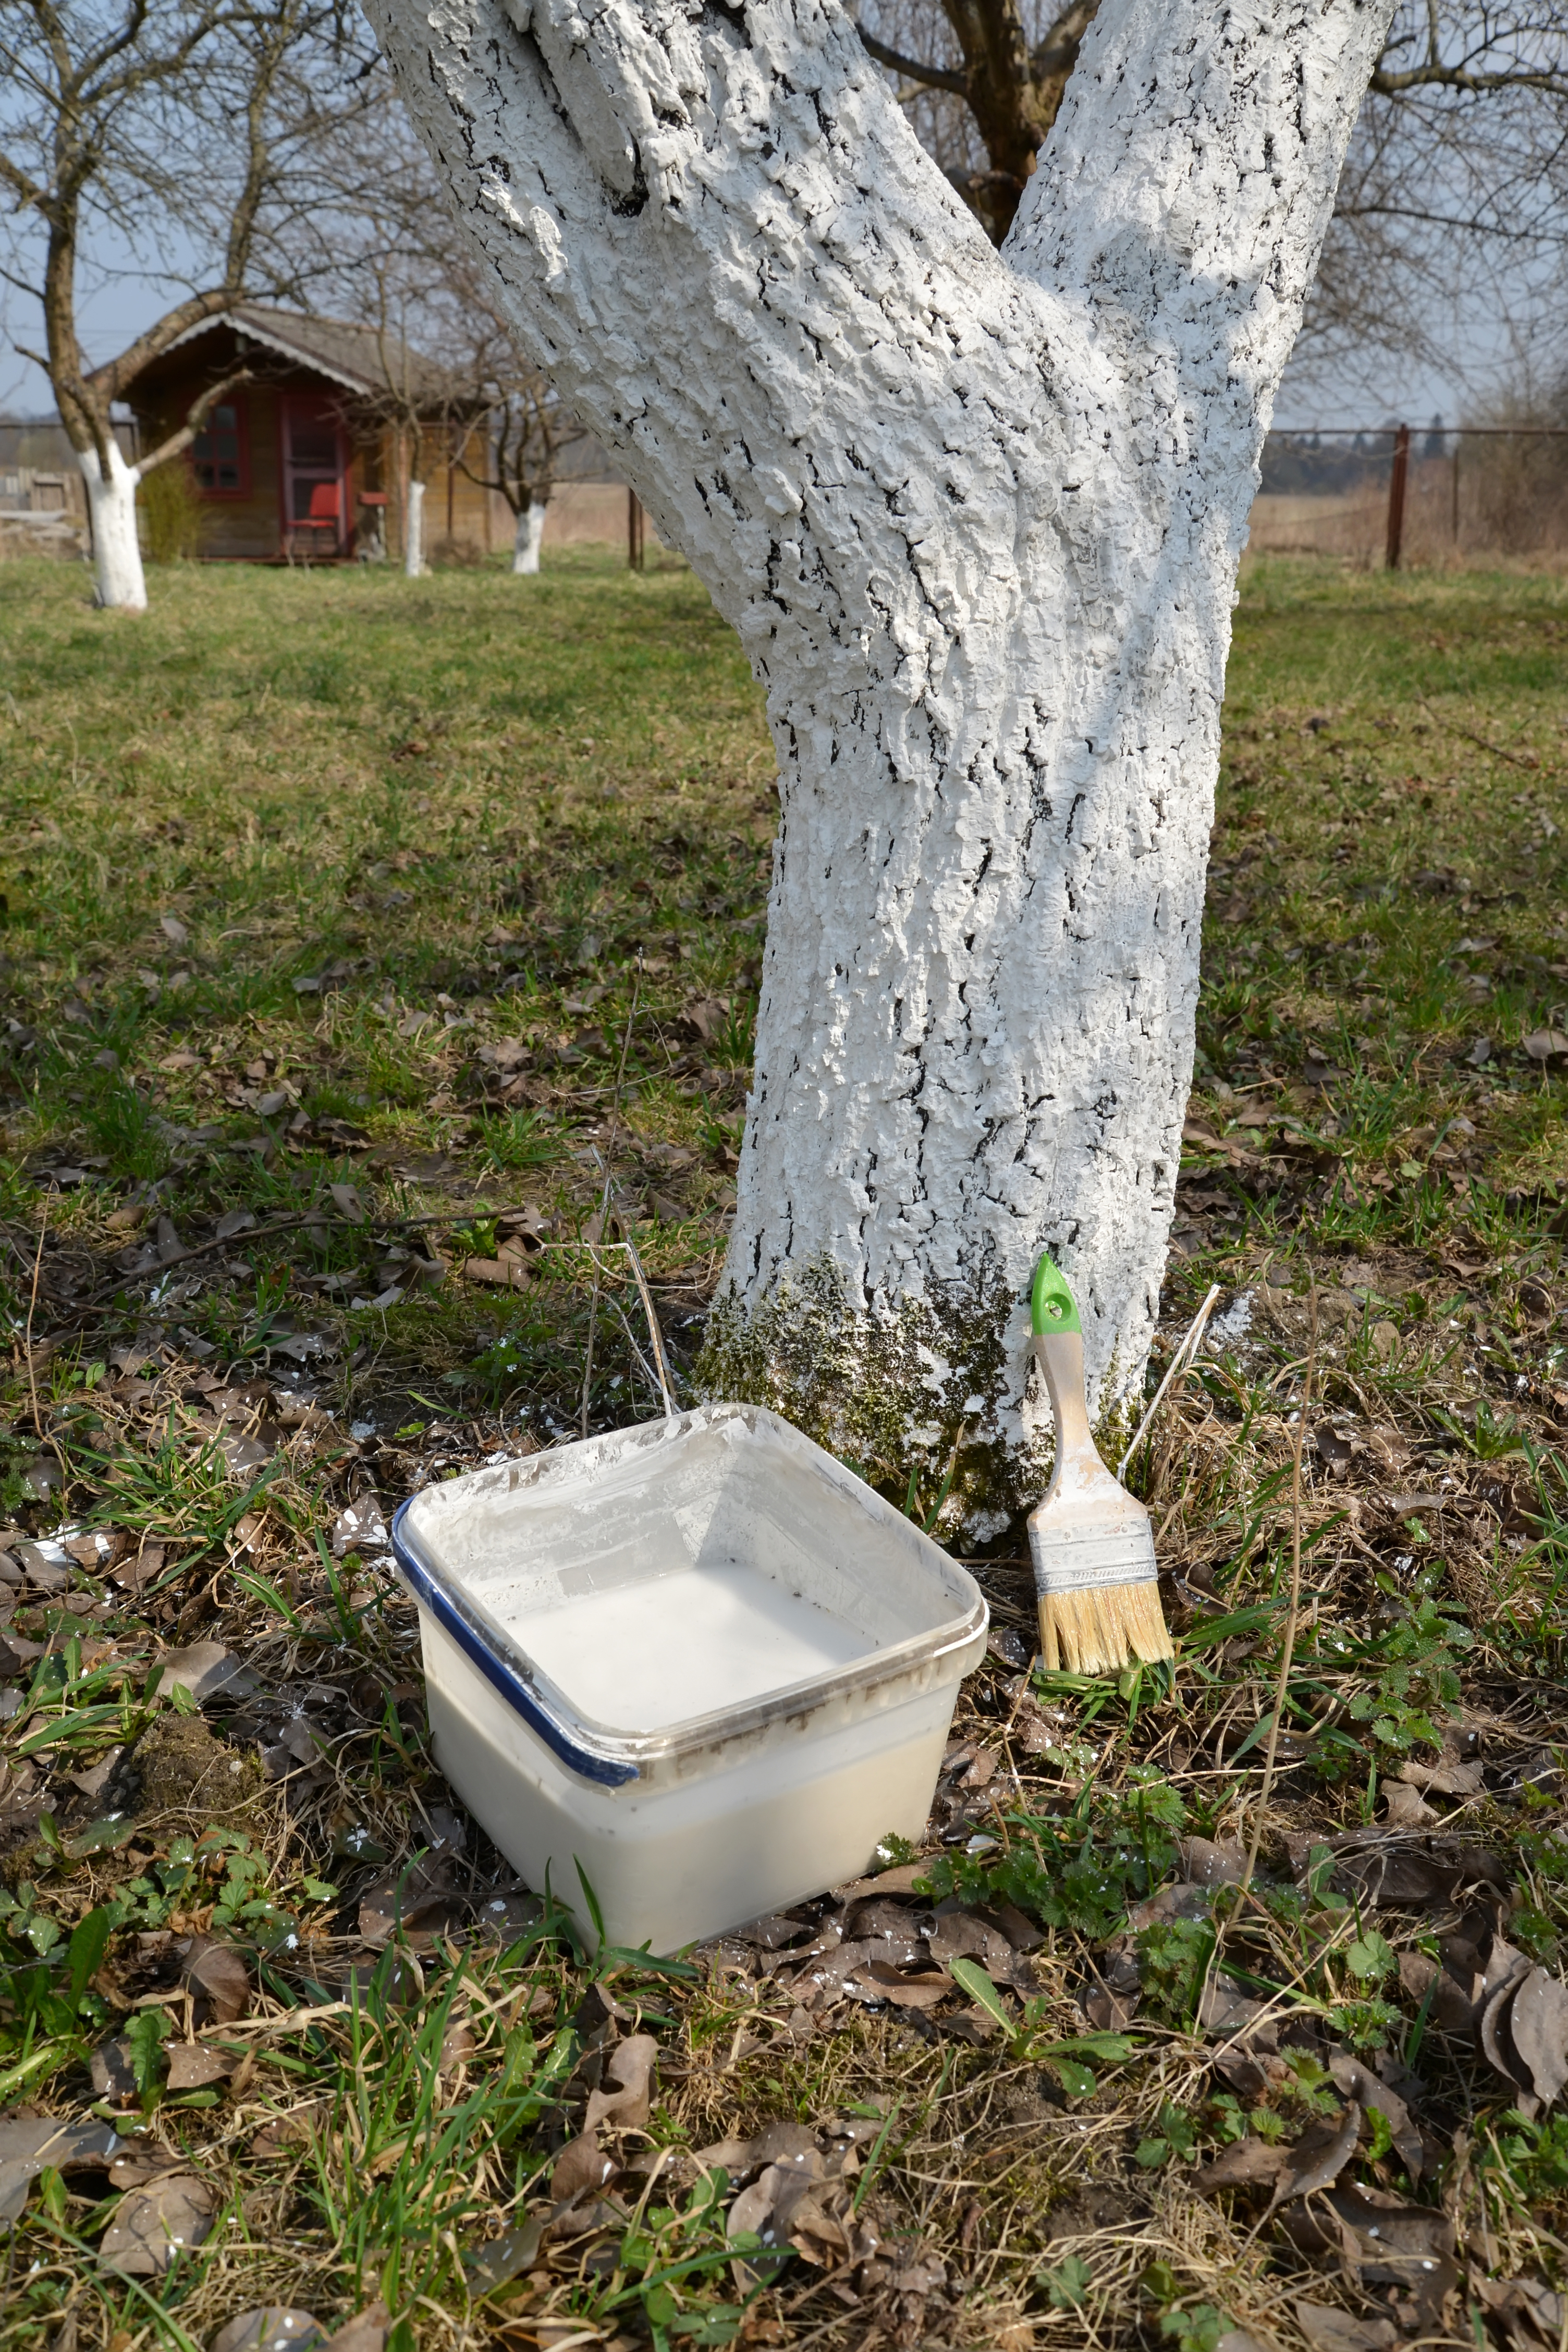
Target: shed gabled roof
362	360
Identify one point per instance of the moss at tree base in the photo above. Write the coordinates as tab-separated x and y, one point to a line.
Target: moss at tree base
916	1395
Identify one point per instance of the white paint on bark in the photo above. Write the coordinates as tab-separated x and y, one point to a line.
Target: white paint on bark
976	517
413	531
119	581
529	537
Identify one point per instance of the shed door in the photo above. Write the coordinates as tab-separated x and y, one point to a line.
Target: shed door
313	456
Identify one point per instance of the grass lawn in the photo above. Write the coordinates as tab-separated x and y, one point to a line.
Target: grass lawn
374	951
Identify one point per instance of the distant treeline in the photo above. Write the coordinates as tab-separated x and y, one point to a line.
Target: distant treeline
1314	465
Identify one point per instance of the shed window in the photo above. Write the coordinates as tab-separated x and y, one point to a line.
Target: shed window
218	453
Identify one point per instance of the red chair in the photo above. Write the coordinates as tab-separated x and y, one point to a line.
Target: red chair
325	515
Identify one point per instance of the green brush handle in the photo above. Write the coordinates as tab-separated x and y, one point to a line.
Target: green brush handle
1059	1346
1051	1303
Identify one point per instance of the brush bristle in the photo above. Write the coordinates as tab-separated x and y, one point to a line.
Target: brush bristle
1102	1628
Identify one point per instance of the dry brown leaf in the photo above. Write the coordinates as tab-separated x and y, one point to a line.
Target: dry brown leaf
899	1880
581	2166
751	2213
1204	1864
282	2133
1452	2008
508	1273
458	2046
1532	2314
1359	2083
905	1992
132	1574
961	1935
219	1972
812	2217
204	1668
1327	2329
268	2328
1445	1780
1538	2030
1405	1807
415	1901
1225	2009
630	2066
1506	1971
732	2155
1384	2241
192	2065
499	2260
30	2143
366	2332
152	2225
774	1933
112	2074
1245	2163
1318	2157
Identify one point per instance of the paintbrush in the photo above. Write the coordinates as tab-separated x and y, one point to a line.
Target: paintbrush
1091	1542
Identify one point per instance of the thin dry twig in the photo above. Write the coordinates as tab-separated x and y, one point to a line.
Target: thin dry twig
32	1308
607	1163
1452	726
1184	1358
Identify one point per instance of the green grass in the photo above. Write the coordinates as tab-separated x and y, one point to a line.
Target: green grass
506	831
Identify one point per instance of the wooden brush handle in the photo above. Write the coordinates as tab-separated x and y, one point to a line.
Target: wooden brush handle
1060	1357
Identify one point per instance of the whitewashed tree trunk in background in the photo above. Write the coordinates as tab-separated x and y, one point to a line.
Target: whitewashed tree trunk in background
414	531
976	517
119	581
529	534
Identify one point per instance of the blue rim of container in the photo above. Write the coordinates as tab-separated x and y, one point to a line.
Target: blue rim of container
502	1671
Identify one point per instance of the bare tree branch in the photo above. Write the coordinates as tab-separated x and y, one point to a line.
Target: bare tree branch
934	76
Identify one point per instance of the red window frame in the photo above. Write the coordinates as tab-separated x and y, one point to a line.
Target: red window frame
241	489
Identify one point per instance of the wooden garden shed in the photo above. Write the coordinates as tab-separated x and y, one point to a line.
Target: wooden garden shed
309	460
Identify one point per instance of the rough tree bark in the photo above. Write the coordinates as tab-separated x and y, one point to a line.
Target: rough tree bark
529	538
119	581
976	517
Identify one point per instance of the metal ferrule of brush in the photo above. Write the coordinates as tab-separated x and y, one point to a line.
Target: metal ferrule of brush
1080	1560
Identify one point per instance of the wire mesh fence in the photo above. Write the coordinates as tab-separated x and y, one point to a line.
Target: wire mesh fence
1391	495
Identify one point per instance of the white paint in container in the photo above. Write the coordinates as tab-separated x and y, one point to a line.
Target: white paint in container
699	1660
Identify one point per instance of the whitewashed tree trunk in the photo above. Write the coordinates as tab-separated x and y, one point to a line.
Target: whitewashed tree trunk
976	517
529	534
414	531
119	581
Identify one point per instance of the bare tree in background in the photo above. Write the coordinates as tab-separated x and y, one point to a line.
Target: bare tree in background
1458	163
528	429
406	269
1003	69
433	408
169	128
1454	187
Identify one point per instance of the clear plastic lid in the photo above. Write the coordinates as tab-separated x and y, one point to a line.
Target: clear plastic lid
644	1595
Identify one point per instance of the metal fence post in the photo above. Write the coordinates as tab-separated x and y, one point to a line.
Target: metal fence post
634	532
1396	480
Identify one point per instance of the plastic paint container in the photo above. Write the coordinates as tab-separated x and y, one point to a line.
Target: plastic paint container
698	1658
